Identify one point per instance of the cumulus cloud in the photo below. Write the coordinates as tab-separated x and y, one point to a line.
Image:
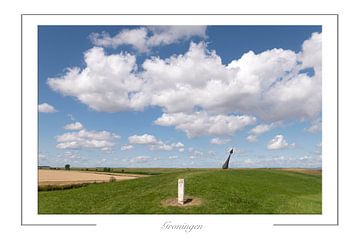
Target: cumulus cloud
196	90
160	145
259	130
311	54
279	142
219	141
74	126
200	123
267	85
144	38
126	147
46	108
107	83
155	144
142	139
85	139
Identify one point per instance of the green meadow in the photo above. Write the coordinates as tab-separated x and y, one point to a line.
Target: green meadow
232	191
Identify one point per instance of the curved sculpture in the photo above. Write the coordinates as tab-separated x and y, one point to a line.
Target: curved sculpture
226	164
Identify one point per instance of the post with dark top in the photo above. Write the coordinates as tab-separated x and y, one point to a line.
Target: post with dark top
226	164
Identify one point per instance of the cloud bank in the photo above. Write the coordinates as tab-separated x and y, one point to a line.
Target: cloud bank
198	94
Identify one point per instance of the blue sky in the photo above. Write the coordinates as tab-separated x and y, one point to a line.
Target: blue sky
180	96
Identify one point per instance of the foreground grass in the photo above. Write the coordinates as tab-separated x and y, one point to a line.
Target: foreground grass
234	191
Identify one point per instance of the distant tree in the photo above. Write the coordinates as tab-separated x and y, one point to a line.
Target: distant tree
67	167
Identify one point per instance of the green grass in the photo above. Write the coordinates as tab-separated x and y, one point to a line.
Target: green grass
145	171
234	191
60	187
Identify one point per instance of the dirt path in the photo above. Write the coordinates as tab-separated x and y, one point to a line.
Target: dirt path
62	177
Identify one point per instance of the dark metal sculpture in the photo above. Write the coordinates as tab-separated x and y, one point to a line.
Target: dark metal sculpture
226	164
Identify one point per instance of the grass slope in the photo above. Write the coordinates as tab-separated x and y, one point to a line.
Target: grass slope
234	191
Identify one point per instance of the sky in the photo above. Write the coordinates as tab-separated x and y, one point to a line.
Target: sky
180	96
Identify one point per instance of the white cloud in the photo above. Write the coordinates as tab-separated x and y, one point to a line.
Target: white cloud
46	108
144	38
107	83
154	143
219	141
279	142
102	140
259	130
267	85
262	128
142	139
167	147
311	53
251	138
73	126
126	147
200	123
141	157
181	82
315	126
173	157
165	35
196	88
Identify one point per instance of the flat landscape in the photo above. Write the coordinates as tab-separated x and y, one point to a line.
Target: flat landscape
66	177
213	191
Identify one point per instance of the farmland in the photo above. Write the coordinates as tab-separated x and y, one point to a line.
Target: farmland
63	177
234	191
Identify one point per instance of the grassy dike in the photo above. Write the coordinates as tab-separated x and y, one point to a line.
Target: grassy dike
233	191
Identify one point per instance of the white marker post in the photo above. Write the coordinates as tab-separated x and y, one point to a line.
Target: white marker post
181	191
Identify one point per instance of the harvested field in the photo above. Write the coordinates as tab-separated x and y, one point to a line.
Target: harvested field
62	177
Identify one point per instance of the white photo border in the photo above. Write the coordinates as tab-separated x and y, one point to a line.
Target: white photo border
152	223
